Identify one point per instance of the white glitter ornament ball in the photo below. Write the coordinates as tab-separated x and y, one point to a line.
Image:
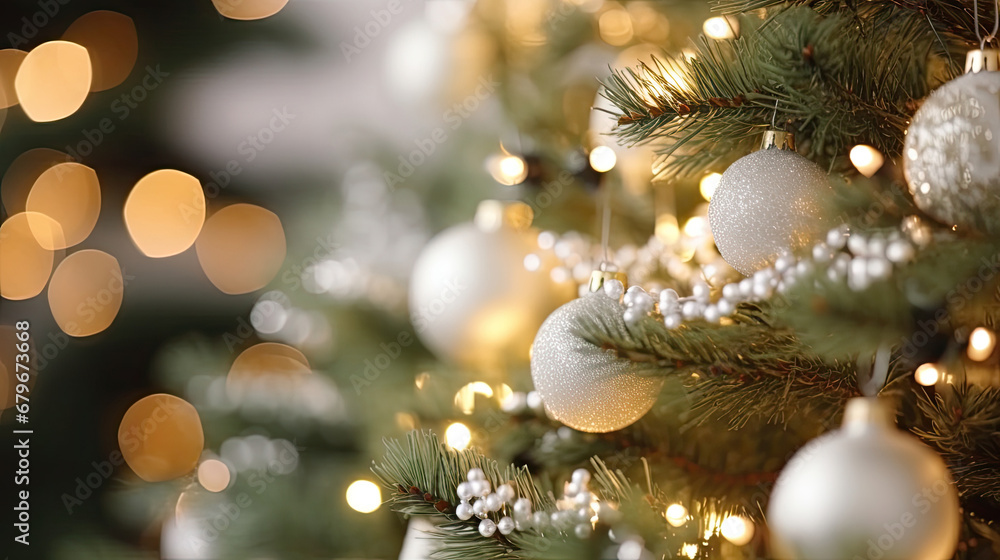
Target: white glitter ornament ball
582	385
472	301
866	490
951	156
768	202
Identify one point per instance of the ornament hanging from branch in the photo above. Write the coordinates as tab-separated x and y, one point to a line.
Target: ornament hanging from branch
582	385
865	491
472	301
767	202
951	157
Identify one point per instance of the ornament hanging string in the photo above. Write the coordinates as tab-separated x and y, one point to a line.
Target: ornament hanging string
605	222
872	377
774	115
996	23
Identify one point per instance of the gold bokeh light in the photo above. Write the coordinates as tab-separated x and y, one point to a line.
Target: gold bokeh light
708	184
112	42
85	293
165	212
458	436
982	342
22	174
266	361
602	159
25	263
241	248
615	26
214	475
70	194
53	80
927	374
737	530
364	496
10	61
161	437
249	9
465	398
721	27
677	515
8	367
866	159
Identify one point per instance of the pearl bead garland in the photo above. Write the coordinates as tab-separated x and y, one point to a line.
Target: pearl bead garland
855	258
575	511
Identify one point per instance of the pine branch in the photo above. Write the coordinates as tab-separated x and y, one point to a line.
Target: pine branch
693	464
963	427
735	371
950	283
836	82
954	17
423	474
423	477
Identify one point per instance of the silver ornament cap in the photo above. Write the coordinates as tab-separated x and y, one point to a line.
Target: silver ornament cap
982	60
599	277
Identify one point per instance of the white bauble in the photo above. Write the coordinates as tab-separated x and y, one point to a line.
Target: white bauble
582	385
951	156
768	202
419	542
866	490
473	302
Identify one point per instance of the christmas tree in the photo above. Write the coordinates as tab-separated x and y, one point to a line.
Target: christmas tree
863	229
655	280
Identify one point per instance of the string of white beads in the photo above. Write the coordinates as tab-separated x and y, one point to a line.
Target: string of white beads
855	258
575	512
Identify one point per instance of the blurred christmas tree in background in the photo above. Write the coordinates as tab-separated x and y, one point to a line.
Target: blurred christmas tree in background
501	279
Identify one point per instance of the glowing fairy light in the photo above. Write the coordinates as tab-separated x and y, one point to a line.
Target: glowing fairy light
721	28
603	159
866	159
927	374
677	515
364	496
458	436
708	185
737	530
981	344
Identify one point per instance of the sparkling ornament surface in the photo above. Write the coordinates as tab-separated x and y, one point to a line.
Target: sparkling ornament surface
581	385
766	202
952	153
473	302
866	490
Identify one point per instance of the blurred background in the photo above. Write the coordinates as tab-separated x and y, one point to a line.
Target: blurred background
308	150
